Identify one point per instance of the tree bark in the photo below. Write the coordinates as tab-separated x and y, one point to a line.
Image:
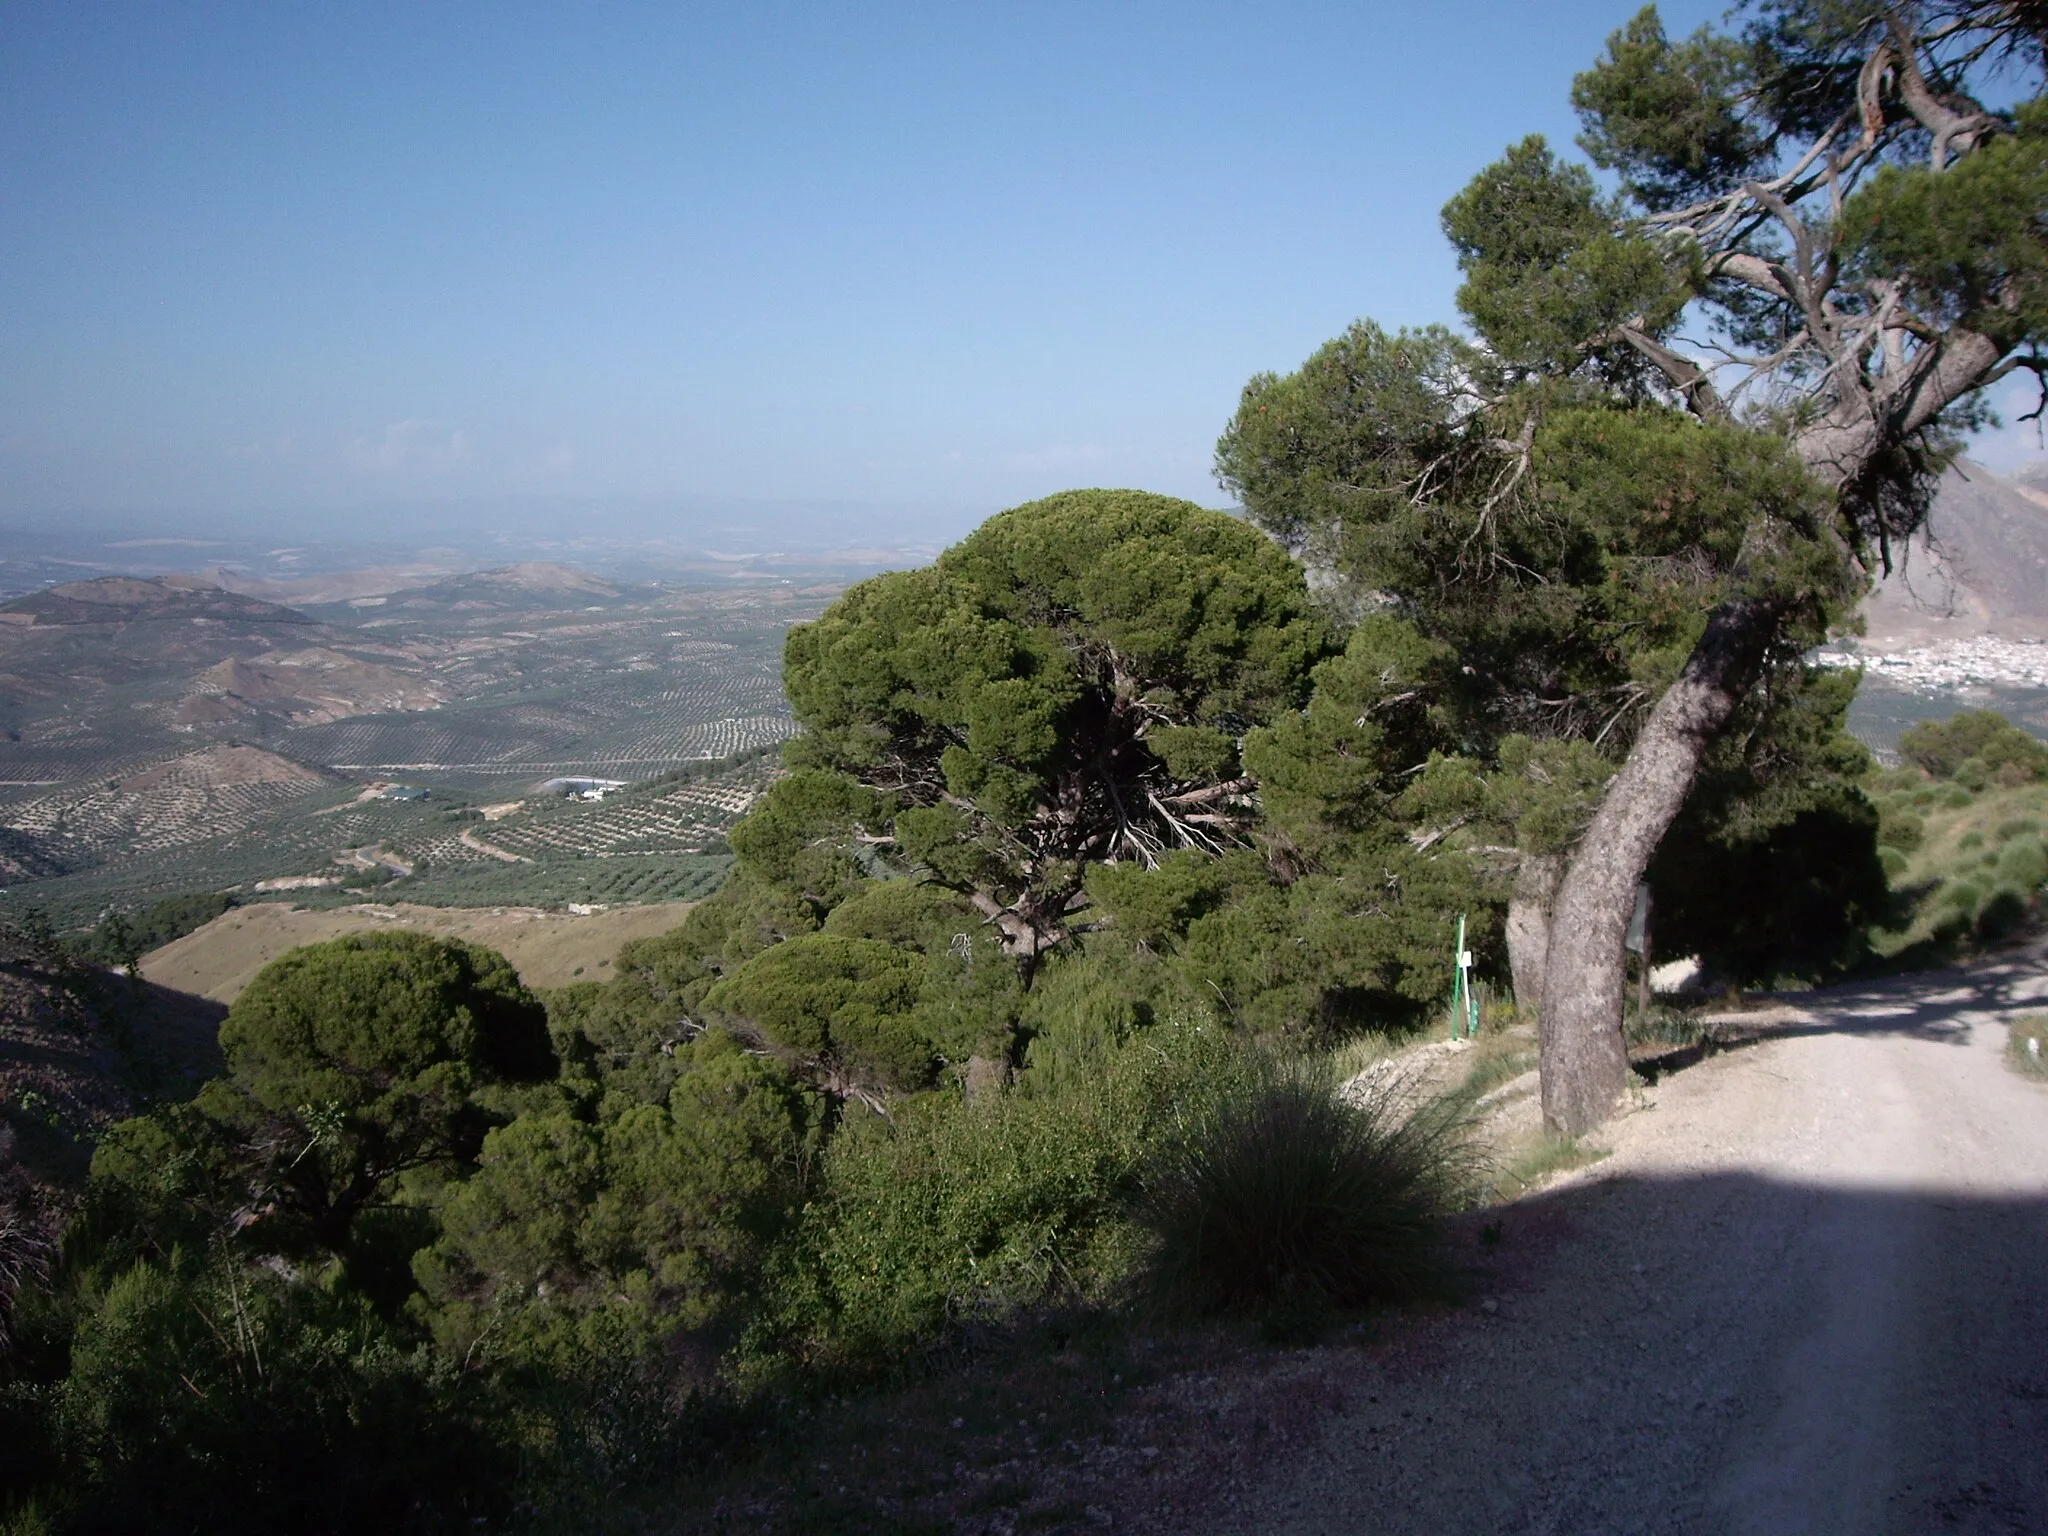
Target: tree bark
1529	927
1583	1057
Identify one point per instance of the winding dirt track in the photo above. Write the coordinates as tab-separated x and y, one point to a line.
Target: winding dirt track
1808	1293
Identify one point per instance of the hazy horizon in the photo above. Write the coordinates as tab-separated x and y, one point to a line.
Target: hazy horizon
299	270
795	274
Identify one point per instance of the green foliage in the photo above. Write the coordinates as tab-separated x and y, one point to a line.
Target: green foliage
1339	443
205	1396
623	1032
573	1240
1332	772
951	1211
353	1061
1969	238
1814	886
1551	270
1065	686
1899	828
1562	584
1286	1192
2006	753
1668	116
1529	615
842	1005
795	835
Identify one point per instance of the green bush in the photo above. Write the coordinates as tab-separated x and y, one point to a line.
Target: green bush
1893	862
2023	863
1969	841
2005	912
839	1004
1289	1192
951	1210
121	939
216	1398
1976	747
1899	829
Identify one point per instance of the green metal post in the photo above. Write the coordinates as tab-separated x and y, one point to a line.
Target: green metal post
1458	993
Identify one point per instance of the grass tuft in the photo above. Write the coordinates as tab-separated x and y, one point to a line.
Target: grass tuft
1288	1198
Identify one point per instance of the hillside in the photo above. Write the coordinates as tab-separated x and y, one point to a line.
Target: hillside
548	949
1962	621
1981	568
166	735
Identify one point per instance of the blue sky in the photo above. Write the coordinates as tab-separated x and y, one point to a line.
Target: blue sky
273	262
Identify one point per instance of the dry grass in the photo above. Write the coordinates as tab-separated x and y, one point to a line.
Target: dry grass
2026	1045
548	949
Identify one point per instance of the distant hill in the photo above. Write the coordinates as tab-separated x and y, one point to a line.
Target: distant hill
126	600
223	657
526	587
305	687
1981	569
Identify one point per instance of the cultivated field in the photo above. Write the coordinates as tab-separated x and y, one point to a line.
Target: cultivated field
547	948
165	736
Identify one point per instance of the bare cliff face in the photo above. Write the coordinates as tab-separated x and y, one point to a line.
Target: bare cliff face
1980	571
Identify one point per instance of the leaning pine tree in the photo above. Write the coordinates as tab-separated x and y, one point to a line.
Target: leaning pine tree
1699	412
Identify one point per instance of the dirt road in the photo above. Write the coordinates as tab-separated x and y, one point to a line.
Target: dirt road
1808	1293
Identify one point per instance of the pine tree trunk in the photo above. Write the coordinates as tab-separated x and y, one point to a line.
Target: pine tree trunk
1529	927
1583	1057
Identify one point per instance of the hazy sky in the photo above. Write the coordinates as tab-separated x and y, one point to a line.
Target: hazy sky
301	257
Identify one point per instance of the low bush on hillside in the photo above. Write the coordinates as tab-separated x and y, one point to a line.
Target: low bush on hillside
1288	1192
1976	748
955	1212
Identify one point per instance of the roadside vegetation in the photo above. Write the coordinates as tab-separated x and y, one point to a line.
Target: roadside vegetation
1961	833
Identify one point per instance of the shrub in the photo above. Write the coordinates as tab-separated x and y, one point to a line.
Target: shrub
2023	863
1292	1193
1899	829
1969	841
954	1210
1975	744
206	1399
1894	863
2004	913
843	1005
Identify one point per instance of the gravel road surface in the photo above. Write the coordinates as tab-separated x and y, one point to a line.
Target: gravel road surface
1808	1293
